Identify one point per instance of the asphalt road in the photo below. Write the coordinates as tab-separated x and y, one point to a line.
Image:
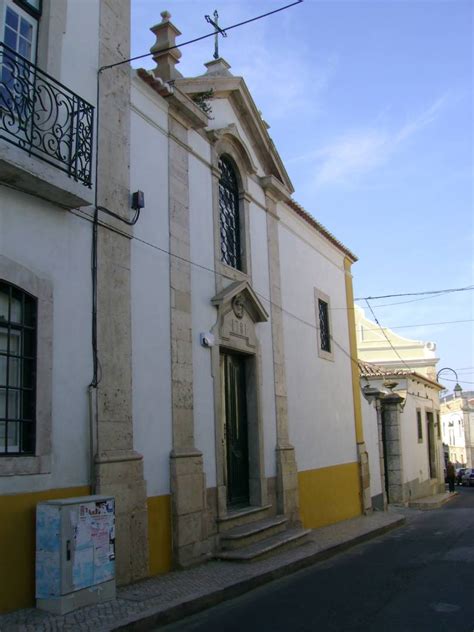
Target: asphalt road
415	579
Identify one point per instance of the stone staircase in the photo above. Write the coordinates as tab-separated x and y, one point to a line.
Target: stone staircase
246	536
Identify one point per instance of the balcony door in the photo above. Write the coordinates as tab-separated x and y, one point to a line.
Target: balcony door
19	30
18	33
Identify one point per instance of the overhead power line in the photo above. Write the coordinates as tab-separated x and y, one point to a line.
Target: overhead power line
202	37
426	293
442	322
385	335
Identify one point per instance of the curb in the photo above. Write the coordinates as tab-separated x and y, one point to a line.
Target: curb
155	618
434	505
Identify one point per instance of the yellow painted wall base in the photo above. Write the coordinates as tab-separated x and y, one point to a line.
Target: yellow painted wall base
17	544
329	495
159	534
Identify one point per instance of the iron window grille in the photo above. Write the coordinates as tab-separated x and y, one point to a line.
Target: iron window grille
44	118
419	426
229	215
18	315
324	332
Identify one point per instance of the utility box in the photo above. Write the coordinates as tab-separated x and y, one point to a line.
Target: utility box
75	553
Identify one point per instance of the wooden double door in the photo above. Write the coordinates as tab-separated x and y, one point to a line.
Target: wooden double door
236	432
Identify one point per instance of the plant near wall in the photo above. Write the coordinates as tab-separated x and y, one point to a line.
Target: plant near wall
201	99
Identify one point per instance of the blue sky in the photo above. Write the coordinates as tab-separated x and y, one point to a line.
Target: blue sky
370	107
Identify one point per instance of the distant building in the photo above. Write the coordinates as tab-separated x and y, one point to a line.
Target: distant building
387	349
402	433
457	427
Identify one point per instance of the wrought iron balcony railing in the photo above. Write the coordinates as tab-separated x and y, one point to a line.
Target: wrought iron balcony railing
44	118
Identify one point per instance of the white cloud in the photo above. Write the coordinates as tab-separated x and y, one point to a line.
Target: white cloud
361	151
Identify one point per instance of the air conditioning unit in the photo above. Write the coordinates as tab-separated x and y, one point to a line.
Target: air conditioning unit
75	553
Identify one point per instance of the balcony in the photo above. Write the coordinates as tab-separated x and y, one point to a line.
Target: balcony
46	121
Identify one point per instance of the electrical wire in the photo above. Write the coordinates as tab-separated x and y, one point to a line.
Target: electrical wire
449	290
202	37
224	276
385	335
442	322
264	298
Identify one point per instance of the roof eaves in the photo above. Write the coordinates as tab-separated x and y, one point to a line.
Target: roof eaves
321	229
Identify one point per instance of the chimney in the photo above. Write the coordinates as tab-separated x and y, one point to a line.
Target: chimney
166	60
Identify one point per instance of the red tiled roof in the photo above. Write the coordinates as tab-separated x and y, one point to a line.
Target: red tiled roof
368	369
299	210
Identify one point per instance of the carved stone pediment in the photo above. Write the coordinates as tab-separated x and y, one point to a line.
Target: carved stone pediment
239	310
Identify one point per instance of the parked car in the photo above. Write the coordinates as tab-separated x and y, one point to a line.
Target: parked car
468	477
460	471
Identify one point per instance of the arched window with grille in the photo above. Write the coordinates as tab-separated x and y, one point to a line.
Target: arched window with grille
229	214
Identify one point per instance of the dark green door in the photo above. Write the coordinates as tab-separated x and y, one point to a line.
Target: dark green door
236	430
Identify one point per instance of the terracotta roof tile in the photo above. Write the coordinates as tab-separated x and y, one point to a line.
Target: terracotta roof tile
299	210
368	369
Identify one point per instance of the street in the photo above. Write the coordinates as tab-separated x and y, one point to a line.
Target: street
416	578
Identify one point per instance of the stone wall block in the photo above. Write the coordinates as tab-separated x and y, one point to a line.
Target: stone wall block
182	301
393	451
395	476
392	432
139	557
115	434
182	394
189	528
183	373
118	473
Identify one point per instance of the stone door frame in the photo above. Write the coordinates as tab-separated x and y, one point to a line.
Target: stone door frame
238	312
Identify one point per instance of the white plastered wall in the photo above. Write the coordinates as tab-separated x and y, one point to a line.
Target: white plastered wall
80	49
56	245
150	288
320	404
415	453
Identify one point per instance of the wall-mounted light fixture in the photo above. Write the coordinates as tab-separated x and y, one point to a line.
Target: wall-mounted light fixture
457	389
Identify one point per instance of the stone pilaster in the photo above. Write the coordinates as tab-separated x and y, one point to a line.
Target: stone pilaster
118	469
362	454
363	457
188	486
393	448
287	471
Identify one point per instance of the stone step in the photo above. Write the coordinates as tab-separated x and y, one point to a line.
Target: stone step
264	548
243	516
247	534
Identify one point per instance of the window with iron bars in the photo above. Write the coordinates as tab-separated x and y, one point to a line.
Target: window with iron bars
18	311
324	333
229	215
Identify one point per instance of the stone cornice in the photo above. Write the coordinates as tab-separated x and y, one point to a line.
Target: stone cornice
274	188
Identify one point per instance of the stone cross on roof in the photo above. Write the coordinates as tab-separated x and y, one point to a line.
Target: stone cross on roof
215	24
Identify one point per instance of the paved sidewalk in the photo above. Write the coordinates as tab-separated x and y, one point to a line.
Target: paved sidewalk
169	597
432	502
